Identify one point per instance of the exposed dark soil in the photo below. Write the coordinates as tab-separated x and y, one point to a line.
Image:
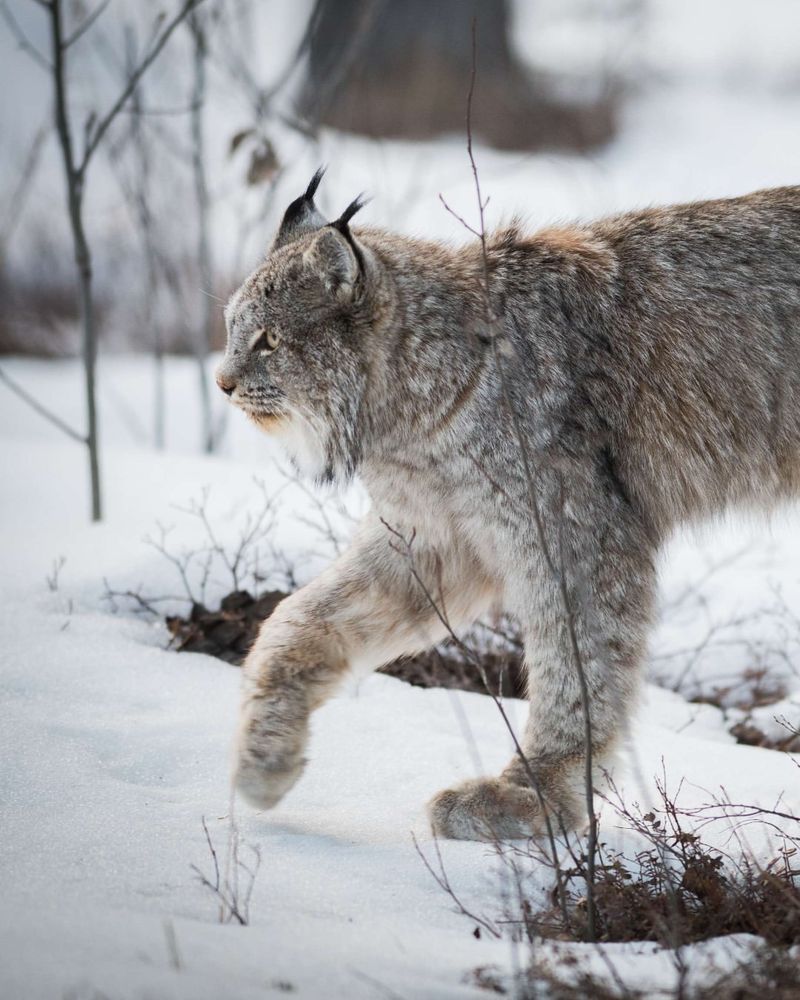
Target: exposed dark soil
749	734
229	632
756	689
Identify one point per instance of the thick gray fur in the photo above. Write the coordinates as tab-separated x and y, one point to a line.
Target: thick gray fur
625	377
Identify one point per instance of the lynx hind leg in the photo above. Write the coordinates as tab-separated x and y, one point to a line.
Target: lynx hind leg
610	631
510	806
485	809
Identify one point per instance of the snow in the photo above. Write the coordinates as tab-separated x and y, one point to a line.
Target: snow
114	748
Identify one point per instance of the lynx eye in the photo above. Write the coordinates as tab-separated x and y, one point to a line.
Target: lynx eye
265	341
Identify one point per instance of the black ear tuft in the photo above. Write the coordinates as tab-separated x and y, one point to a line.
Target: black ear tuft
355	206
342	225
313	184
302	216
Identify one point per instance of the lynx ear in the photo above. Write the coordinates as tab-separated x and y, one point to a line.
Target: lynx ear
302	216
332	257
338	254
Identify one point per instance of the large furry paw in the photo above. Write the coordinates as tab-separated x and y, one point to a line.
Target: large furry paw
264	787
270	753
485	809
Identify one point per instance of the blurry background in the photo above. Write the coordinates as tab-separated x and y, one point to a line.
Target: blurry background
581	107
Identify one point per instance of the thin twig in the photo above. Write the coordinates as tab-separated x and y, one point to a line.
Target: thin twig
440	612
18	197
443	882
23	41
557	572
81	30
23	394
102	126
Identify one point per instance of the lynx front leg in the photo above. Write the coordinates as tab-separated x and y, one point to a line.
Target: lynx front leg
609	605
364	611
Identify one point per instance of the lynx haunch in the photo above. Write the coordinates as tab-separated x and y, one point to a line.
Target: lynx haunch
540	438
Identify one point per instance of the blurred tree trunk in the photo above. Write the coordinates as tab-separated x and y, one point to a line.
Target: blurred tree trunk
141	198
76	165
197	26
402	70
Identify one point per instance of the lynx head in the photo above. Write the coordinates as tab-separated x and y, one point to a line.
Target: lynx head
295	360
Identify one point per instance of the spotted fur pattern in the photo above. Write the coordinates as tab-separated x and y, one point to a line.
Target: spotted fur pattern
624	377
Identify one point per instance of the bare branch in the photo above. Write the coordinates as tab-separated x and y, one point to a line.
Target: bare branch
161	112
234	903
75	176
52	578
83	28
442	880
181	563
19	196
404	546
105	122
460	218
140	601
204	332
22	39
23	394
83	257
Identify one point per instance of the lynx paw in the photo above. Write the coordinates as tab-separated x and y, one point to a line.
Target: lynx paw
264	787
269	757
484	809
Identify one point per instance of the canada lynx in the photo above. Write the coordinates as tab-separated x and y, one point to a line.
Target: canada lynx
540	438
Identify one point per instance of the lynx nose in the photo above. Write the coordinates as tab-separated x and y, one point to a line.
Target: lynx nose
225	384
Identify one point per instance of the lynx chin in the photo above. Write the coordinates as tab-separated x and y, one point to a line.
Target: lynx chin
541	442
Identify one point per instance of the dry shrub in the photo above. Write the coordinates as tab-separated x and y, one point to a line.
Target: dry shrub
679	889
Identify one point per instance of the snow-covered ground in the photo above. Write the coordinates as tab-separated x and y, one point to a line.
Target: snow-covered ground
114	748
